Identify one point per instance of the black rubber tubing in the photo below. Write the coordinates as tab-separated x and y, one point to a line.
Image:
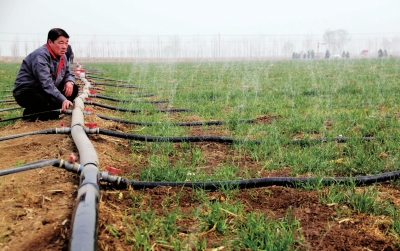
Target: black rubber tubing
214	122
39	113
261	182
8	101
110	79
10	108
127	100
116	85
218	139
42	163
134	110
31	115
30	166
141	95
63	130
174	139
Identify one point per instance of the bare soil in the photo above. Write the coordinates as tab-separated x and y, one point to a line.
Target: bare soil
37	206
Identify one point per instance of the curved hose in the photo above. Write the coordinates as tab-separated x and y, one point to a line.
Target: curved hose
134	110
214	122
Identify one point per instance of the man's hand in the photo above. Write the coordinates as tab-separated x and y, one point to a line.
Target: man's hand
68	88
65	104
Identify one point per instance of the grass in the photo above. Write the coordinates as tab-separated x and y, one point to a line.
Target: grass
299	100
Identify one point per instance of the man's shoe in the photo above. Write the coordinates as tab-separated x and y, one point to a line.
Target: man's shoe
29	115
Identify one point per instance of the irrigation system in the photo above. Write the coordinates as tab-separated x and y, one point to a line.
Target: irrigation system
85	217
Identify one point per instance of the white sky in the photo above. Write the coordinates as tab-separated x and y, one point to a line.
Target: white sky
205	17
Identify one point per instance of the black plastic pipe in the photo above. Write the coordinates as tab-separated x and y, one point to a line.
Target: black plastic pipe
8	101
42	163
110	79
97	88
39	113
141	95
134	110
61	130
117	85
127	100
218	139
123	183
10	108
214	122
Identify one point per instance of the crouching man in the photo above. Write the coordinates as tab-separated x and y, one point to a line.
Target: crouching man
44	81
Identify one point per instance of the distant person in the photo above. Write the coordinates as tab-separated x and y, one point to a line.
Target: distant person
44	81
70	54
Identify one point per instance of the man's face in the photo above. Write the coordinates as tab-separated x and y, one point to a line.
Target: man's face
59	46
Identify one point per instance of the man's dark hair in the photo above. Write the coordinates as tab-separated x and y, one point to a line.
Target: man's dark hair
56	33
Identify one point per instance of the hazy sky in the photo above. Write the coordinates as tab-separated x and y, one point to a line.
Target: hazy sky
205	17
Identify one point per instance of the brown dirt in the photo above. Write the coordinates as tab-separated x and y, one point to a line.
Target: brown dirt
37	206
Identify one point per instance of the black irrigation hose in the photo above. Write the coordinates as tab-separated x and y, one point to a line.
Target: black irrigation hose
214	122
42	163
110	79
143	95
62	130
30	166
10	108
134	110
219	139
30	115
96	88
128	101
123	183
116	85
8	101
39	113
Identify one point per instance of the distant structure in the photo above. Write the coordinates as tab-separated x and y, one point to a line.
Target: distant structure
364	53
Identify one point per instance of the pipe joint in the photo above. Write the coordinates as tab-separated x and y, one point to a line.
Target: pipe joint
107	177
72	167
77	124
88	188
63	130
92	130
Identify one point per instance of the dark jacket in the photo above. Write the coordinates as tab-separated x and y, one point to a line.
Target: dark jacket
38	70
69	52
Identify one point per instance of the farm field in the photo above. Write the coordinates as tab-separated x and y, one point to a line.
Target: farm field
325	119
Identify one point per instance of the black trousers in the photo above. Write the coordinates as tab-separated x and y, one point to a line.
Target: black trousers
37	100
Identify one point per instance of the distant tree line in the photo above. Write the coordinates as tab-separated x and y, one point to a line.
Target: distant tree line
309	55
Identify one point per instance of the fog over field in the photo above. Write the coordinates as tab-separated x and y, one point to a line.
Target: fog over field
209	29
